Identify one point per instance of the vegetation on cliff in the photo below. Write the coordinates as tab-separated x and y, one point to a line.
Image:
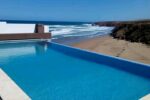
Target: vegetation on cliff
134	31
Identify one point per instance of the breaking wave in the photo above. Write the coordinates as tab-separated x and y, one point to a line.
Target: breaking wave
78	30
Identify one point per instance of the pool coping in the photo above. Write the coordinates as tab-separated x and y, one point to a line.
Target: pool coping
9	90
147	97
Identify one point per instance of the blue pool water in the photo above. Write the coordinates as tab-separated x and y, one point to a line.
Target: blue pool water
47	74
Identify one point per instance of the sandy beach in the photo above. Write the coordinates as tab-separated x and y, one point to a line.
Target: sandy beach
119	48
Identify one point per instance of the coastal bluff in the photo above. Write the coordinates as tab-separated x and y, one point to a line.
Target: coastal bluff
133	31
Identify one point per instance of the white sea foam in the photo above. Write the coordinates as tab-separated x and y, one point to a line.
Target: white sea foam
78	30
46	28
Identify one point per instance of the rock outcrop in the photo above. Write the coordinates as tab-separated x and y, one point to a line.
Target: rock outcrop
134	31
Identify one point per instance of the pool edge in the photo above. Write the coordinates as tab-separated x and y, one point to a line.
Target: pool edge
115	62
101	54
9	90
146	97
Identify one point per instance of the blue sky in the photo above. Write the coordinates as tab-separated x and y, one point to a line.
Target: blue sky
74	10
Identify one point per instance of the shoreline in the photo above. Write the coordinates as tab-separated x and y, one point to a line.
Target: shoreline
119	48
75	39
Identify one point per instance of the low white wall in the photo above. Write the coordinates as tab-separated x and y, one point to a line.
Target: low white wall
18	28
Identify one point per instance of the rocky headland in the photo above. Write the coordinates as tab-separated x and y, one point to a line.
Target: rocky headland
134	31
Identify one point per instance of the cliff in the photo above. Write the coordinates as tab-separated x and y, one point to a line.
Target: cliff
134	31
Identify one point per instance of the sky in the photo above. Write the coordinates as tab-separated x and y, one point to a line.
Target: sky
74	10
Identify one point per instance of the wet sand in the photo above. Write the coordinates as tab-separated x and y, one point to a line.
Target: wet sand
119	48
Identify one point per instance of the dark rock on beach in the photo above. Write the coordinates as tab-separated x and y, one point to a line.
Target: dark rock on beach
134	31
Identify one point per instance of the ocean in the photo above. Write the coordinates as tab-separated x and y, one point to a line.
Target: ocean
62	32
68	34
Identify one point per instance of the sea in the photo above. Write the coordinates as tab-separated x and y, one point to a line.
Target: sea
70	32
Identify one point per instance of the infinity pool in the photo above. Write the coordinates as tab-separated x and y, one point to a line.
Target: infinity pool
45	73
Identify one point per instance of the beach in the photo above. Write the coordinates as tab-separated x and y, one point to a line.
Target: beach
119	48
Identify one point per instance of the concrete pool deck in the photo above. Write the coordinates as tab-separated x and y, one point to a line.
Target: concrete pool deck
9	89
147	97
